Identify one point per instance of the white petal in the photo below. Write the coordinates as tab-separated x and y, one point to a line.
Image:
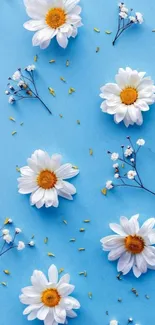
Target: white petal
141	263
56	160
61	313
123	261
62	39
30	308
71	314
116	253
128	266
66	171
45	44
43	312
147	226
43	35
34	25
112	242
37	195
142	105
125	225
30	292
68	188
65	289
71	303
117	229
64	195
149	256
39	280
57	318
32	315
26	171
49	320
53	274
134	224
136	271
29	300
64	279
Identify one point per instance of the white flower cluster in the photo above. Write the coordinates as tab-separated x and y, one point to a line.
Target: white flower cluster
10	239
124	14
128	153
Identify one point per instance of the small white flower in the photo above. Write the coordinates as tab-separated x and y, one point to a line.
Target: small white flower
49	299
131	245
109	185
18	230
132	160
116	175
7	238
16	75
21	83
10	221
131	174
128	152
139	17
124	9
32	243
5	231
30	67
140	142
121	5
11	99
7	92
113	322
115	165
128	97
133	19
20	246
50	19
114	156
123	15
45	179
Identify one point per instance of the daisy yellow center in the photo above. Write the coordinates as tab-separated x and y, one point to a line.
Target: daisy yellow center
129	96
46	179
50	297
134	244
55	17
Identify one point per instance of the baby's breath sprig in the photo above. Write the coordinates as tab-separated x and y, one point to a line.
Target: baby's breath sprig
23	86
9	241
130	178
126	19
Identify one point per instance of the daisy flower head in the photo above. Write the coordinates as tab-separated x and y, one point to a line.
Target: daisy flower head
128	97
53	18
45	179
131	245
49	300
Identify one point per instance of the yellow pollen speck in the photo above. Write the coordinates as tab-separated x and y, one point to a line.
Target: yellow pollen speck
46	179
55	17
50	297
129	96
134	244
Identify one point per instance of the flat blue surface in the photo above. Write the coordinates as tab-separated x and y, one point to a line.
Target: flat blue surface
88	71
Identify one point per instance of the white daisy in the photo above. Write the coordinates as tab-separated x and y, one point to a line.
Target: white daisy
132	245
44	178
128	97
49	300
50	18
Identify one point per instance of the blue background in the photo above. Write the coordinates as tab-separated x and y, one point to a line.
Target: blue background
87	72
